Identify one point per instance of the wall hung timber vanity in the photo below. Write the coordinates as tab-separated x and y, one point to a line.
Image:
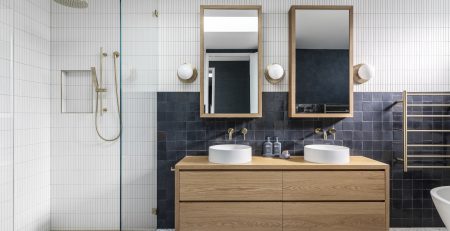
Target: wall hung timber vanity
275	194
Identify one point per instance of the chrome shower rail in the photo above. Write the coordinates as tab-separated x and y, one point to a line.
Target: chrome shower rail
406	145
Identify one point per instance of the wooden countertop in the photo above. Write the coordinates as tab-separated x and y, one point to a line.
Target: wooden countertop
295	163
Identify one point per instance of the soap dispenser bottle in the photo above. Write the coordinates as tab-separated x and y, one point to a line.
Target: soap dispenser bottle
276	147
267	148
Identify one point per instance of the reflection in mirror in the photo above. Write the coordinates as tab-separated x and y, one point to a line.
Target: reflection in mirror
231	61
322	61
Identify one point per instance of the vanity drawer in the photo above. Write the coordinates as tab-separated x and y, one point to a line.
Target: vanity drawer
226	216
336	216
230	185
334	186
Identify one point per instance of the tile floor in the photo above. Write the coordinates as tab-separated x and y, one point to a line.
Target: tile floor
418	229
392	229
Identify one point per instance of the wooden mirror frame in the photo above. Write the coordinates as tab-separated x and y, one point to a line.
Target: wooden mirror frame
292	63
260	60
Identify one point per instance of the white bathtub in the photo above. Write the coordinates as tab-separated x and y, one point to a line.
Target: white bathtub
441	199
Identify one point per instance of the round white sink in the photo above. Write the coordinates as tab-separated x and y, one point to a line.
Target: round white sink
327	154
230	154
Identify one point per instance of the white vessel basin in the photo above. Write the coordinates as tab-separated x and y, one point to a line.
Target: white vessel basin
327	154
230	154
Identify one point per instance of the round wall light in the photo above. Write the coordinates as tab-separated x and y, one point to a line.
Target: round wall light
363	73
187	73
274	73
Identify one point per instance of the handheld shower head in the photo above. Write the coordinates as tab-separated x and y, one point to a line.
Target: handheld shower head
73	3
95	83
94	78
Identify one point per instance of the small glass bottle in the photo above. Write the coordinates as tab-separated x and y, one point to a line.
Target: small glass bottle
268	148
276	148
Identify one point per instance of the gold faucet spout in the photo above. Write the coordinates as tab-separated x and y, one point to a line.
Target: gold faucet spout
321	131
332	131
230	133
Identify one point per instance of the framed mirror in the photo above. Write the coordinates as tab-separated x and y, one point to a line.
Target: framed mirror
231	62
321	65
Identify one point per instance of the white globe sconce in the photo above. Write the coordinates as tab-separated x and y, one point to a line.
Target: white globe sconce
187	73
363	73
274	73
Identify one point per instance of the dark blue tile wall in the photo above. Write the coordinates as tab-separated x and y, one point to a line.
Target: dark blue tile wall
374	131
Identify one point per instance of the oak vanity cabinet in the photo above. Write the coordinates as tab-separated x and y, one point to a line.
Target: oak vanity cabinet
274	194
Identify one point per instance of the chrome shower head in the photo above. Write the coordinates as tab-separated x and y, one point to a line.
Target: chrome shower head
73	3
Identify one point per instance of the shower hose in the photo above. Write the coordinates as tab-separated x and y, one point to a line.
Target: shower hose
119	112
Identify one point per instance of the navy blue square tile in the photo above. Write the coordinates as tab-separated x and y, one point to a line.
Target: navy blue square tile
367	96
374	131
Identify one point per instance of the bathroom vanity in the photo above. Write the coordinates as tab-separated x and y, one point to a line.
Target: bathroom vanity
275	194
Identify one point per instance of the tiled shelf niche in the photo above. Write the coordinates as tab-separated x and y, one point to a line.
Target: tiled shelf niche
77	92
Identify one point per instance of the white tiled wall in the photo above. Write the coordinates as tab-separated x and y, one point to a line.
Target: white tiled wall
140	44
6	38
139	160
140	83
405	40
6	119
6	175
85	176
85	170
31	115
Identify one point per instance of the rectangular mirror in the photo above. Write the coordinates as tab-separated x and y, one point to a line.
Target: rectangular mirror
321	68
231	62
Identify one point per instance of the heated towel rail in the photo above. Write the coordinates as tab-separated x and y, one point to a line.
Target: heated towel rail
406	130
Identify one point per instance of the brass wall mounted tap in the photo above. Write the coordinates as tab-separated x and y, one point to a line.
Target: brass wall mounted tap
321	131
332	131
230	133
244	132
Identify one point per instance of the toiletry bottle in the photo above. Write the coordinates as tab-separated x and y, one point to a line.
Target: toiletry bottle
276	148
267	148
285	155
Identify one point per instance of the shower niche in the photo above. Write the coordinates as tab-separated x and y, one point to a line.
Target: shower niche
77	92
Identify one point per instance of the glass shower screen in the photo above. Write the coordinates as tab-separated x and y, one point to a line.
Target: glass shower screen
99	184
